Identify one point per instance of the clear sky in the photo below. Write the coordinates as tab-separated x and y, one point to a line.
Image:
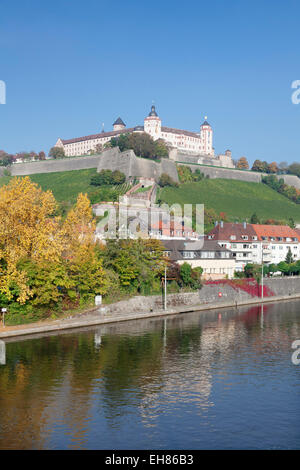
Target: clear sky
70	65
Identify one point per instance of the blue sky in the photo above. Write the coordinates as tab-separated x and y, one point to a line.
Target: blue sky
70	65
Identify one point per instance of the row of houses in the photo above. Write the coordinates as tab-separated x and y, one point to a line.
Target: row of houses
230	246
227	248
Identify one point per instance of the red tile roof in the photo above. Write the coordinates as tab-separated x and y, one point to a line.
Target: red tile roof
98	136
124	131
223	231
180	131
276	231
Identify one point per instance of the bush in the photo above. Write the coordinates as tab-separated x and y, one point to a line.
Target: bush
166	180
187	176
108	177
190	277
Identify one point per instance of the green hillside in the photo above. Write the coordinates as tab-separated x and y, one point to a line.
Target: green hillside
239	199
65	185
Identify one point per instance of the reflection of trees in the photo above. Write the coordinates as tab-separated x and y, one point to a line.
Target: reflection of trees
35	369
62	380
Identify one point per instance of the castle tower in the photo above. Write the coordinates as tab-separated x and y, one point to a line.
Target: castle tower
152	124
118	125
206	134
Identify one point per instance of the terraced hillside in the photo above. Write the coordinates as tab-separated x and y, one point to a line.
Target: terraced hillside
239	199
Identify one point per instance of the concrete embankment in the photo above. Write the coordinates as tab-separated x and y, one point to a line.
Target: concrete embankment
100	317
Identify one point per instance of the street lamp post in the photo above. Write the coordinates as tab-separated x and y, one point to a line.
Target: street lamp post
262	274
165	303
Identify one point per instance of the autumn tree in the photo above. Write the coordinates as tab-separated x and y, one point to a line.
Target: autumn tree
99	148
260	166
84	267
272	168
28	229
242	163
41	156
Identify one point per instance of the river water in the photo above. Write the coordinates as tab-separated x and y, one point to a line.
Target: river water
206	380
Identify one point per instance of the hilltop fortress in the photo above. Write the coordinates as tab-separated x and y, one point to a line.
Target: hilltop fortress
186	146
131	165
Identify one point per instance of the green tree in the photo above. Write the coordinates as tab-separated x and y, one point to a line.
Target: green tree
289	257
108	177
283	267
254	219
291	223
166	180
161	149
6	160
294	169
57	152
186	273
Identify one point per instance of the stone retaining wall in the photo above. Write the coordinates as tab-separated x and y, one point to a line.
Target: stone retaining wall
130	165
251	176
52	166
208	294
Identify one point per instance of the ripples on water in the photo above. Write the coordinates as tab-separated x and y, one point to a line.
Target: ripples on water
216	380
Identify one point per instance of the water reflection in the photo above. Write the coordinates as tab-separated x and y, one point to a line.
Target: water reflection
199	380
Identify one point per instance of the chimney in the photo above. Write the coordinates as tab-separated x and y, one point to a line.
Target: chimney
245	224
222	224
216	223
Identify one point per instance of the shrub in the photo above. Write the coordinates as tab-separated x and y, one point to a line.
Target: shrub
166	180
108	177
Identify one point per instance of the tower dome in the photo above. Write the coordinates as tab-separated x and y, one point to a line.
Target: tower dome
205	122
119	124
153	112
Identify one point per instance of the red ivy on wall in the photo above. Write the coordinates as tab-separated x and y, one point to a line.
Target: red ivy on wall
247	285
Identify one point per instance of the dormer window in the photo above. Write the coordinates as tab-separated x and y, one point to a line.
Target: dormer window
232	237
244	237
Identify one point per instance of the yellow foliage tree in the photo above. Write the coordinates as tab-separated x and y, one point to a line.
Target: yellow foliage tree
28	229
85	269
79	226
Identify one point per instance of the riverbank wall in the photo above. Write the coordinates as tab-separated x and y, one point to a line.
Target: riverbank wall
215	292
208	298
